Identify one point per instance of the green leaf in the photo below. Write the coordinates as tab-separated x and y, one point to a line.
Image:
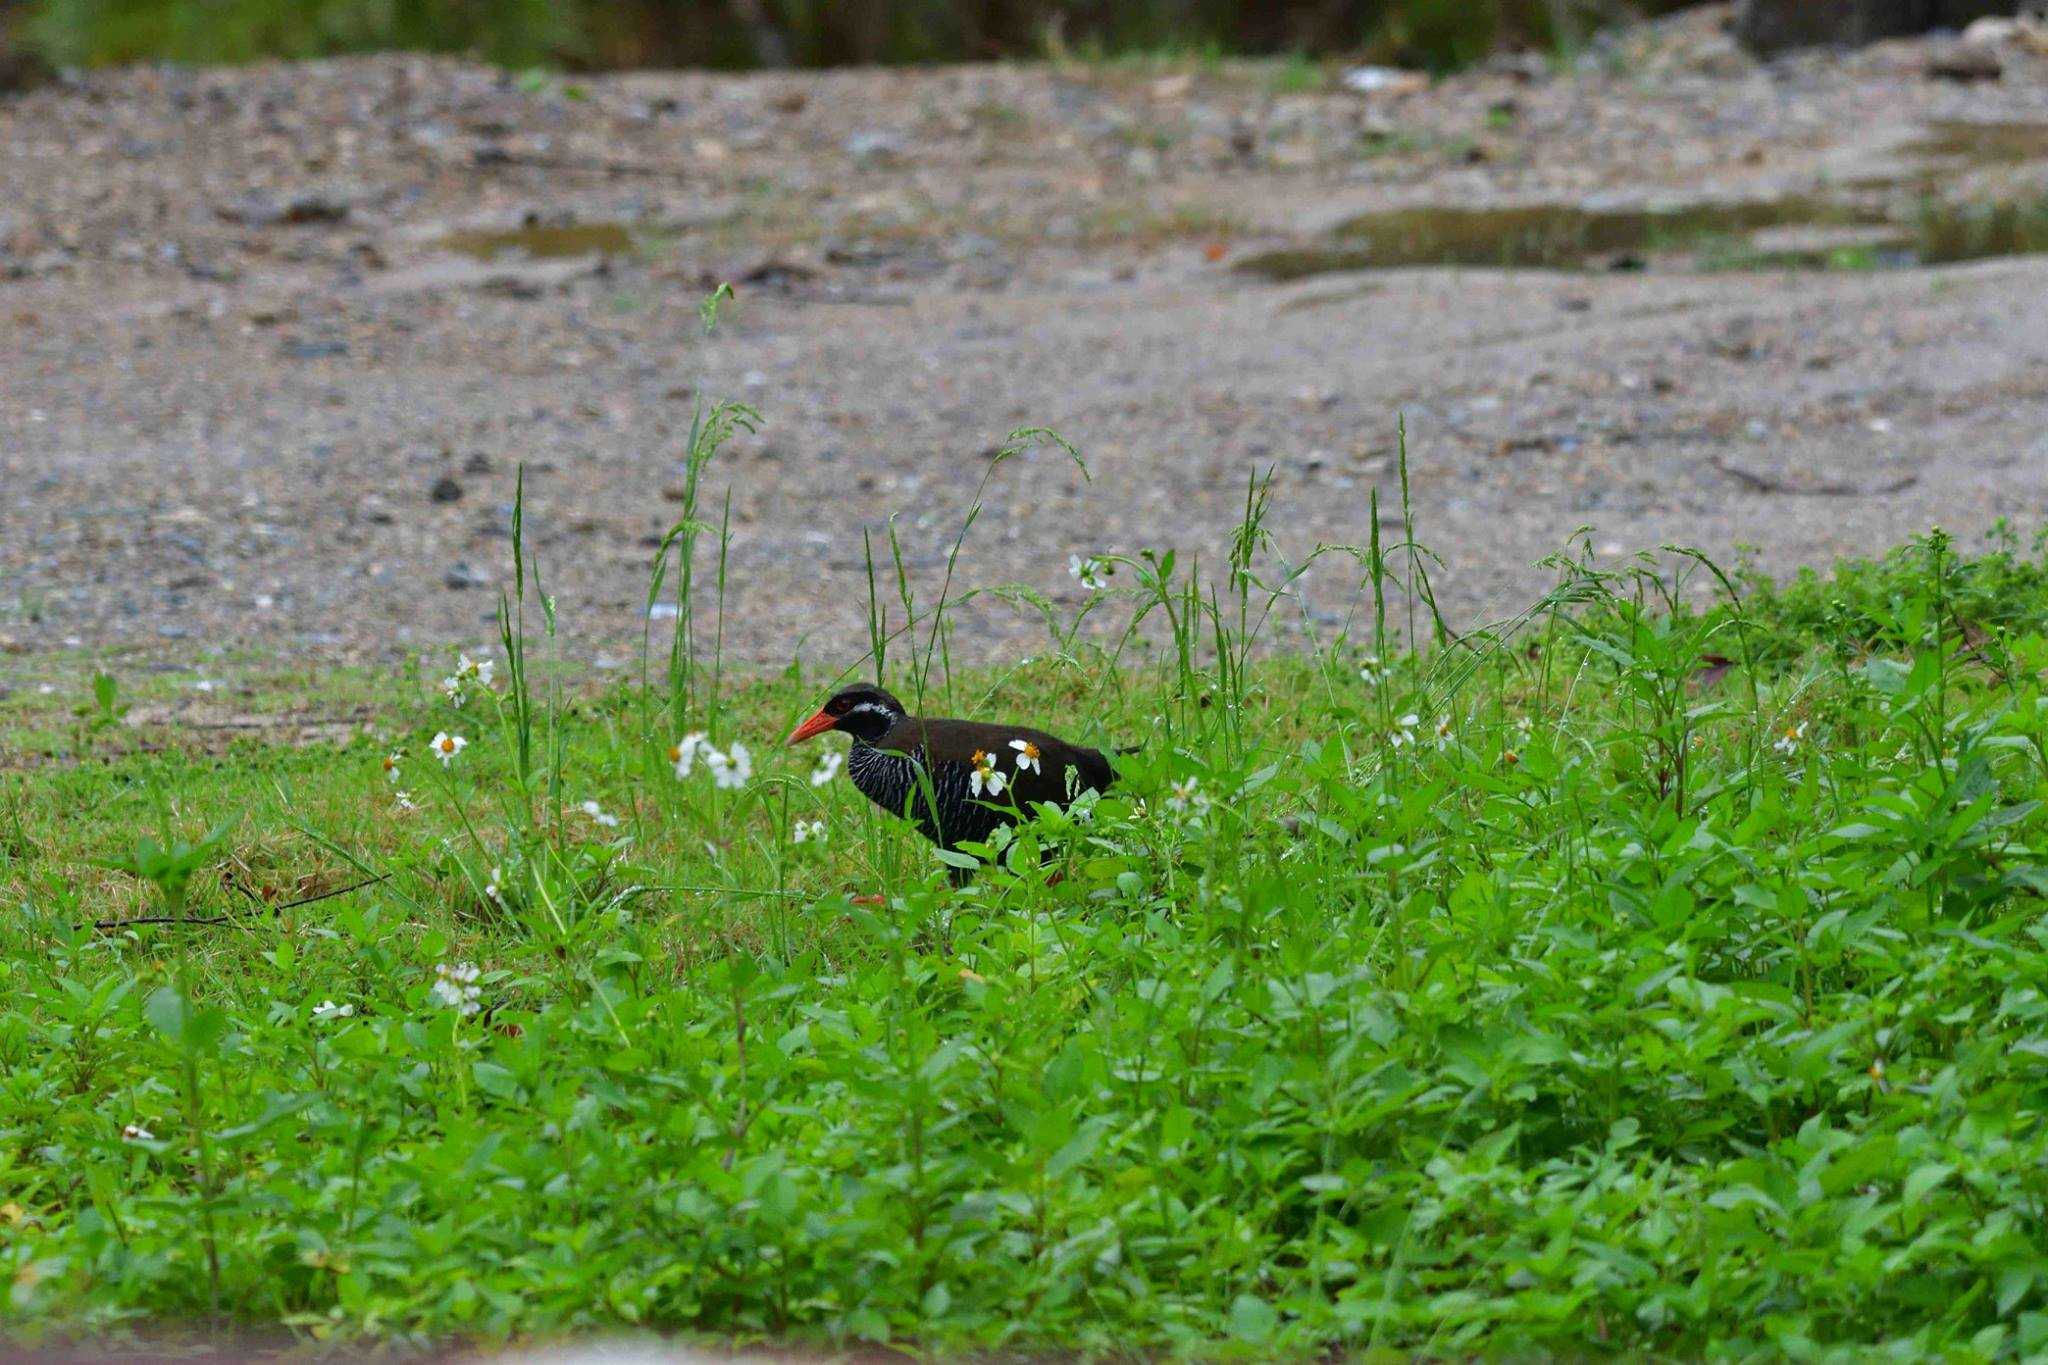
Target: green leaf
1252	1320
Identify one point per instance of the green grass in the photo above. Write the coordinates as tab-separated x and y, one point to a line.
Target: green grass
1661	973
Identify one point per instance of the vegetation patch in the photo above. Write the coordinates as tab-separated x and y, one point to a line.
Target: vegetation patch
1659	972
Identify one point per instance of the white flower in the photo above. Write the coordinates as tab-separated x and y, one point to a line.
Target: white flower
404	801
683	754
599	815
1371	672
1027	756
1788	743
984	779
456	987
730	771
1444	733
446	746
391	766
451	688
808	831
135	1132
1404	732
1187	795
1093	571
828	767
492	889
327	1009
467	668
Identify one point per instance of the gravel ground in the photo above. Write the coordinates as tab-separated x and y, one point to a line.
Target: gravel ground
252	401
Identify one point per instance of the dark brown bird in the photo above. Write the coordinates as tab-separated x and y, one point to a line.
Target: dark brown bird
957	780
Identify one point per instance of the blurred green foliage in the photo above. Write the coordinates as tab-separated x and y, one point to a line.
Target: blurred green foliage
749	33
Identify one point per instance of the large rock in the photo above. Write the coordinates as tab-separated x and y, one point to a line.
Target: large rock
1774	25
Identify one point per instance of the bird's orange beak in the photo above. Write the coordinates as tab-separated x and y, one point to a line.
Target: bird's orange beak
816	725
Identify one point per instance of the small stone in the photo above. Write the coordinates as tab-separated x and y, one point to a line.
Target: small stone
447	489
314	350
875	149
1385	81
461	576
374	511
1964	62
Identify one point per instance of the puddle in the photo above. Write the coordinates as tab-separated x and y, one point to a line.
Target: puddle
1892	222
1546	236
544	243
1982	144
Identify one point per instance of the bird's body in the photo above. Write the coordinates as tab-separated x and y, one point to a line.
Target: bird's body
956	780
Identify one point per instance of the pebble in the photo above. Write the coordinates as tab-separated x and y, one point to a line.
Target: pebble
447	488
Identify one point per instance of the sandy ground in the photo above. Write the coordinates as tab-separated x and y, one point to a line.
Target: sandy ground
250	400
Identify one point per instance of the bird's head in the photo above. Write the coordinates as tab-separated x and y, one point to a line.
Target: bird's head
864	711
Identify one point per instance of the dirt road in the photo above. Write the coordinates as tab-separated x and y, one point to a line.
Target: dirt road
255	396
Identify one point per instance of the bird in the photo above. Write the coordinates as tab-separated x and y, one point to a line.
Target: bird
958	781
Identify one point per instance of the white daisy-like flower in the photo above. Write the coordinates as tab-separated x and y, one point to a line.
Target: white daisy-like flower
730	770
404	801
135	1132
391	766
492	888
1027	756
447	746
1371	672
1187	795
682	755
455	986
808	832
1788	743
451	688
599	815
828	767
983	779
327	1009
1444	733
1404	730
1092	570
477	669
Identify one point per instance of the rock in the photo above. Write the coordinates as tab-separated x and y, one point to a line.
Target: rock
1388	82
1768	26
461	577
262	210
875	149
1965	62
20	69
446	489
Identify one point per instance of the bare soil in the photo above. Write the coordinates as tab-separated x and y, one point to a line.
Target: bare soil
252	399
